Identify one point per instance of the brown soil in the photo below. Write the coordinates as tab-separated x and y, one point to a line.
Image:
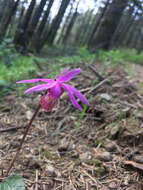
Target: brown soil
64	150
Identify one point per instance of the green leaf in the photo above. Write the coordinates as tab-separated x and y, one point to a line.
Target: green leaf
14	182
82	114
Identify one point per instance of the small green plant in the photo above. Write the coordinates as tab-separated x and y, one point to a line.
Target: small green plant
13	182
8	53
22	67
121	56
131	55
82	56
85	54
113	56
82	115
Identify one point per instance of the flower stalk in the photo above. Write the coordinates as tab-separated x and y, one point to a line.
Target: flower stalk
23	139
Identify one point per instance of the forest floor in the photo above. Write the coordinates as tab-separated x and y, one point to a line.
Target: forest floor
100	148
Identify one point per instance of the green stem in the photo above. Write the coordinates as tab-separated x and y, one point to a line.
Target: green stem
22	140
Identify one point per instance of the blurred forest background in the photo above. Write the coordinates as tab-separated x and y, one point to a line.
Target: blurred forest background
31	24
67	30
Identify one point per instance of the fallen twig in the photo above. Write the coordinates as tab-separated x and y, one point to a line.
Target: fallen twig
96	72
90	89
99	85
12	129
93	179
36	180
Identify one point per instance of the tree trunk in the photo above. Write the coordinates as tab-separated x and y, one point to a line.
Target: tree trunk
66	22
36	41
9	17
127	32
44	20
136	33
78	31
20	35
33	24
90	41
57	21
86	28
140	41
128	39
3	7
109	24
21	14
70	26
35	19
122	28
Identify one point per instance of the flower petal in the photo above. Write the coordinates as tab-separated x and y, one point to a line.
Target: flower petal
48	102
40	87
78	94
56	91
69	75
65	70
35	80
72	98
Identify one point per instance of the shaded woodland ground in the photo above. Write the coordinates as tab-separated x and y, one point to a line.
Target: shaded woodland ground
100	148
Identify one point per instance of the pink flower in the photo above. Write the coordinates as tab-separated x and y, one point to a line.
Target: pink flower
55	88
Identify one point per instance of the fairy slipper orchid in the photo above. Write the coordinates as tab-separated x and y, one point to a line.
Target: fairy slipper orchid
55	88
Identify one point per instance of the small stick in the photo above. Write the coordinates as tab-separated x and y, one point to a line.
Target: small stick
93	179
12	129
96	73
90	89
36	181
22	140
99	85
